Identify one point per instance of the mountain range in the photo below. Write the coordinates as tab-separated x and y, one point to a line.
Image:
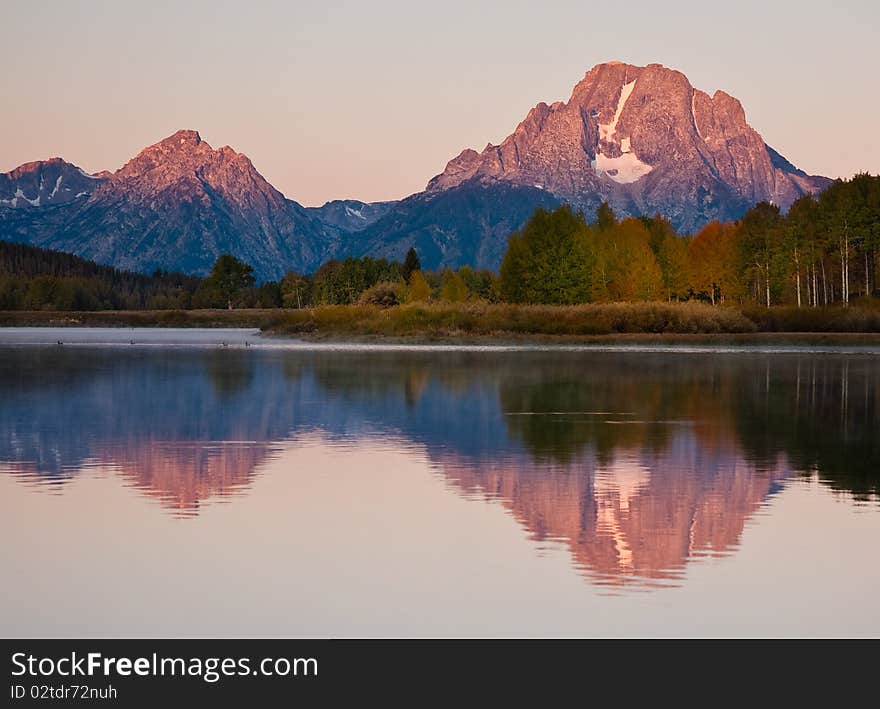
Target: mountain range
641	138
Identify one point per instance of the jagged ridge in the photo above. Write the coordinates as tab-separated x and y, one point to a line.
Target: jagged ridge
645	140
640	137
178	205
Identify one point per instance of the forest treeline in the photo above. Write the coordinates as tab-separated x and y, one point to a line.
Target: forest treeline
39	279
822	252
32	278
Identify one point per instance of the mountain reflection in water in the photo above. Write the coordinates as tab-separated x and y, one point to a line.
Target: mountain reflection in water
634	462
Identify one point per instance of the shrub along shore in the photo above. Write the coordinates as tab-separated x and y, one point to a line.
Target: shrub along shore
501	322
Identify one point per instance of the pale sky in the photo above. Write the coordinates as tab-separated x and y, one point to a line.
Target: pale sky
369	100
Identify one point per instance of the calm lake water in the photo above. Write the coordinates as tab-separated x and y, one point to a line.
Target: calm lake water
183	483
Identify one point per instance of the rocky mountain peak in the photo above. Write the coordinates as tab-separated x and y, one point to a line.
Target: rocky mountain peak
643	138
178	205
185	165
43	183
182	140
184	149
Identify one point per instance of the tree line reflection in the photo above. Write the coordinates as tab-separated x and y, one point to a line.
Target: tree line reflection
635	462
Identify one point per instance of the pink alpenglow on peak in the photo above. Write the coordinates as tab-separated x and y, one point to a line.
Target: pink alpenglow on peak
640	137
645	140
177	205
46	182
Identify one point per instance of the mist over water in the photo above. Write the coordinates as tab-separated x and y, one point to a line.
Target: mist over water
200	486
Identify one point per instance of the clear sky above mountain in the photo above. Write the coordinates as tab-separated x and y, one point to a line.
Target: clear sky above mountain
339	99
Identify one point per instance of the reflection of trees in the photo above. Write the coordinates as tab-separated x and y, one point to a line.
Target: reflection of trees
611	403
231	371
558	419
62	405
414	386
370	376
25	369
354	379
820	412
73	405
638	469
823	413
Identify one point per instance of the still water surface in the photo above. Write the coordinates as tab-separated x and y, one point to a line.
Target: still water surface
214	483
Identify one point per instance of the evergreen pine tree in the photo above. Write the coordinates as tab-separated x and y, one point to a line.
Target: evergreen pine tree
411	264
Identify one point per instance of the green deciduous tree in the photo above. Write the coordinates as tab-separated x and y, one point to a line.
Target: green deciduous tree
269	295
418	291
296	290
454	288
230	278
761	242
547	261
671	251
341	282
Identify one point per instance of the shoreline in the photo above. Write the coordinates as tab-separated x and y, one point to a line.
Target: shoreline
636	339
359	325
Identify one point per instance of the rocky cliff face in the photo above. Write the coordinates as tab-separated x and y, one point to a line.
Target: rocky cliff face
178	205
645	140
46	182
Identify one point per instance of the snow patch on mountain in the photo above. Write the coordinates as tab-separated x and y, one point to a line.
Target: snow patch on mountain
607	131
21	195
694	113
624	169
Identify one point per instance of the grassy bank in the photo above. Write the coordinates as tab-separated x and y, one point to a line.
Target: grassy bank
611	321
137	318
836	319
481	321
